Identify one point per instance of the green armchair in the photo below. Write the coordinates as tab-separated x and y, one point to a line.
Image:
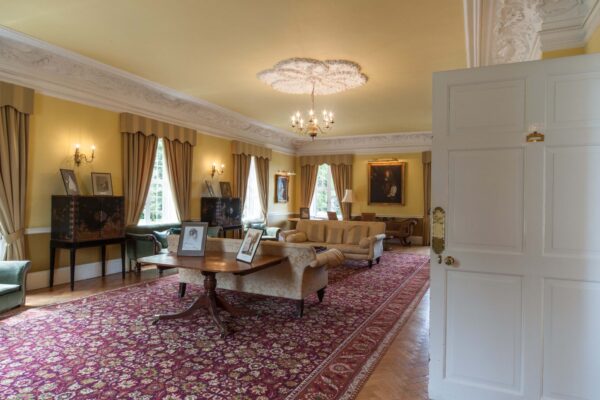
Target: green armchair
12	283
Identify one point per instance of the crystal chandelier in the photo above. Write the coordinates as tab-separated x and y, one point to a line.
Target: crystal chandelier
307	75
312	127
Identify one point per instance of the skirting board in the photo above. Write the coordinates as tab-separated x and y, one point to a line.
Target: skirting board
40	279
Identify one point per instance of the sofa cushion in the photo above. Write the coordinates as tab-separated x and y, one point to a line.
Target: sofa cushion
161	236
6	288
365	242
297	237
348	248
354	233
315	233
335	235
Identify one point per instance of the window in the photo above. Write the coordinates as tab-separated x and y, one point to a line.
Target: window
252	209
160	205
324	199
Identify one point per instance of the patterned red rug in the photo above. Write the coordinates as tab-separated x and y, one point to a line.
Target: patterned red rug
104	347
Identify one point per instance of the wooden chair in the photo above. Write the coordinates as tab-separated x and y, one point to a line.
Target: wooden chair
332	215
368	216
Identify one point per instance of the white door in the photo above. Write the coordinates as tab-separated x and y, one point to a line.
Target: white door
518	314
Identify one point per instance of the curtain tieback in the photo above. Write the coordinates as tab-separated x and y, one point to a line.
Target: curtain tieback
13	237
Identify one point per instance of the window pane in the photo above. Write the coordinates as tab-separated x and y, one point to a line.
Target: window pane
324	199
252	209
160	205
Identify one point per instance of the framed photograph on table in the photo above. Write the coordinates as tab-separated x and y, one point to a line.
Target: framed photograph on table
282	184
102	184
249	245
304	213
192	241
68	177
209	188
387	180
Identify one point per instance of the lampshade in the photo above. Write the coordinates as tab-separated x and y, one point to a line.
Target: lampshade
348	198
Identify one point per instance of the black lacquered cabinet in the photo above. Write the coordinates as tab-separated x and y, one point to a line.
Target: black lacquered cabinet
86	221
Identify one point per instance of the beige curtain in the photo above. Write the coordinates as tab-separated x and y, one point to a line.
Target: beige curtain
14	137
342	180
241	170
139	152
426	157
262	177
179	157
308	181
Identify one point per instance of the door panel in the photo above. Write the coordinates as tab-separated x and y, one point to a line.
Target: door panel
573	100
498	175
572	200
571	347
477	352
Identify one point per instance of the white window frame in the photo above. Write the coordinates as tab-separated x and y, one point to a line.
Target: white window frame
169	211
333	203
252	212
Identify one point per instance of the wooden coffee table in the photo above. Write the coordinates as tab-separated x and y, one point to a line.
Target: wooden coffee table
209	266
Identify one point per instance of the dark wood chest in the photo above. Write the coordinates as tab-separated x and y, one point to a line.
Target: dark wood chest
84	218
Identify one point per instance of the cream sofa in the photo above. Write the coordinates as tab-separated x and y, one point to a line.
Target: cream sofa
357	240
304	272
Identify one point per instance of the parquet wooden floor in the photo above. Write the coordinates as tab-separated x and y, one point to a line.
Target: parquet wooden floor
402	373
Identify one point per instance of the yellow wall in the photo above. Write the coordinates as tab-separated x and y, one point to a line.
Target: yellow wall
593	44
563	53
413	191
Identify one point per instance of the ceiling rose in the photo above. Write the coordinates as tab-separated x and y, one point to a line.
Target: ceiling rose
307	75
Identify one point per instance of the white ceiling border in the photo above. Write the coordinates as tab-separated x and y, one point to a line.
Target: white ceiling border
389	143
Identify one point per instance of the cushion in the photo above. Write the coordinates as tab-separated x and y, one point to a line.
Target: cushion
353	234
297	237
365	242
335	235
162	237
6	288
315	232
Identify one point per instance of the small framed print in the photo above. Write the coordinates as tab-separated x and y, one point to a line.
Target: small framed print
225	189
249	245
282	184
102	184
71	186
192	240
304	213
209	188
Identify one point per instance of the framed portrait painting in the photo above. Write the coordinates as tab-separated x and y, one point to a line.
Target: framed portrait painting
225	189
192	241
387	180
282	184
249	245
68	177
102	184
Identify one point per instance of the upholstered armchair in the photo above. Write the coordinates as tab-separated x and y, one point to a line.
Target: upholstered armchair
12	283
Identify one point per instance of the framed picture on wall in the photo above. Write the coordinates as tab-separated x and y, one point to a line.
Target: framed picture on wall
225	189
102	184
68	177
387	180
282	185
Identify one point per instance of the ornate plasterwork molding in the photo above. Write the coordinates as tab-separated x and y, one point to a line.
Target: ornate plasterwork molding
61	73
506	31
368	144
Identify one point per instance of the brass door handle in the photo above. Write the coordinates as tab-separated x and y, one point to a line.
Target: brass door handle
449	260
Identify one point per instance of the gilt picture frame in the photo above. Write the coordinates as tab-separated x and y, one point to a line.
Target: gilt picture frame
282	187
102	184
225	189
386	182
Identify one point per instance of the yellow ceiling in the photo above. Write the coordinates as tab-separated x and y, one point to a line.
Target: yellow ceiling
212	49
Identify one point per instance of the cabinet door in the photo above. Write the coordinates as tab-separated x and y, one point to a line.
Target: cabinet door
89	218
113	222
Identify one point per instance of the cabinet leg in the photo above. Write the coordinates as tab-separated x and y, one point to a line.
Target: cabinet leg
103	257
72	262
52	261
123	260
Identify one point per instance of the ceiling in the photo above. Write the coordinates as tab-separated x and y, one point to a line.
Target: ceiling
212	49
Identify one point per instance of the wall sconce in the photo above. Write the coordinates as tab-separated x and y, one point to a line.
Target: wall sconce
78	157
217	171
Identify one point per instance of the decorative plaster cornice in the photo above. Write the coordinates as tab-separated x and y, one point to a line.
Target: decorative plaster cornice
64	74
368	144
506	31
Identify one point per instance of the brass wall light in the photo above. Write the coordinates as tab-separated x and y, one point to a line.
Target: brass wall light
217	171
78	157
